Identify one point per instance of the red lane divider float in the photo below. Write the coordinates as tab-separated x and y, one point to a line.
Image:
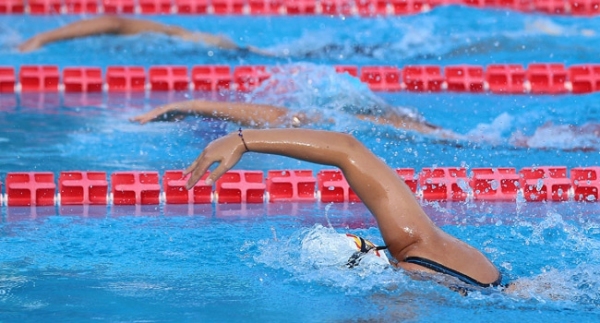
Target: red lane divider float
547	78
174	188
169	78
79	188
546	183
30	189
247	78
508	78
83	79
240	187
291	186
423	78
211	78
125	78
537	78
300	7
584	78
12	6
444	183
82	6
153	7
228	7
365	8
41	7
7	79
382	78
464	78
586	183
39	78
495	184
119	6
265	7
131	188
349	69
192	7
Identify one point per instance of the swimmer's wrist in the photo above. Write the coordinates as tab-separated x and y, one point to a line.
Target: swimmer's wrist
240	134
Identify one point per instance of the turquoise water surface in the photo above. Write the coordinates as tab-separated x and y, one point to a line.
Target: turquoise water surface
253	263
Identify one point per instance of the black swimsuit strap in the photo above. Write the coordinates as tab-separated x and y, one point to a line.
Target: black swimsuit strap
430	264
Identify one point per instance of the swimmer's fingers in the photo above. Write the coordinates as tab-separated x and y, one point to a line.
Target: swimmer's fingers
152	114
30	45
200	167
197	169
141	119
148	116
226	151
259	51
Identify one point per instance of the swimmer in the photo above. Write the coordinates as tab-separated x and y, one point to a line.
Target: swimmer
270	116
549	27
414	242
127	26
566	137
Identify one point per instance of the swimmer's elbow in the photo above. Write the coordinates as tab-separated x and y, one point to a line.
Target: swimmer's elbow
348	141
352	148
112	25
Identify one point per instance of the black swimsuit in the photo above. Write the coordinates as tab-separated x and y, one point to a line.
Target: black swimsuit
426	263
437	267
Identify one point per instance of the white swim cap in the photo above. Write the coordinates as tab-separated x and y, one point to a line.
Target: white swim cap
363	247
325	247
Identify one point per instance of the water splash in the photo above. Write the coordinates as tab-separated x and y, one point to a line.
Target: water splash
567	287
319	91
565	137
10	40
319	254
501	131
493	132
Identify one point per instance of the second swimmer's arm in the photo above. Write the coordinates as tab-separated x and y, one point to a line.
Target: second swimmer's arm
90	27
246	114
120	26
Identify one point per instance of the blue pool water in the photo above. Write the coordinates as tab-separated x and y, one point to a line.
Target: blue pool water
444	36
245	263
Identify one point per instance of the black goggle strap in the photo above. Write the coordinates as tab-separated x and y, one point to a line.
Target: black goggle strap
356	257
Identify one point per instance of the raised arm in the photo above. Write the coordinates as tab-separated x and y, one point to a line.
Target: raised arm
404	226
121	26
377	185
245	114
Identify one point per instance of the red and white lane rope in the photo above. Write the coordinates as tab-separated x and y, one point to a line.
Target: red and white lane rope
544	183
363	8
535	78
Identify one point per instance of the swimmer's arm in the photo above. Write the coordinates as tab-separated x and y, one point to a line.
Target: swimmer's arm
245	114
98	26
401	122
121	26
378	186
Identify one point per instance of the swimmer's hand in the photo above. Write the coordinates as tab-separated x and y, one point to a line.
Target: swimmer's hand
31	44
169	112
226	151
210	39
222	42
262	52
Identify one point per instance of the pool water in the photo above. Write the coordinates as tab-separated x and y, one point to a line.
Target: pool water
251	266
250	263
444	36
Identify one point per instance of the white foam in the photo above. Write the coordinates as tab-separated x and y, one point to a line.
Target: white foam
319	254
